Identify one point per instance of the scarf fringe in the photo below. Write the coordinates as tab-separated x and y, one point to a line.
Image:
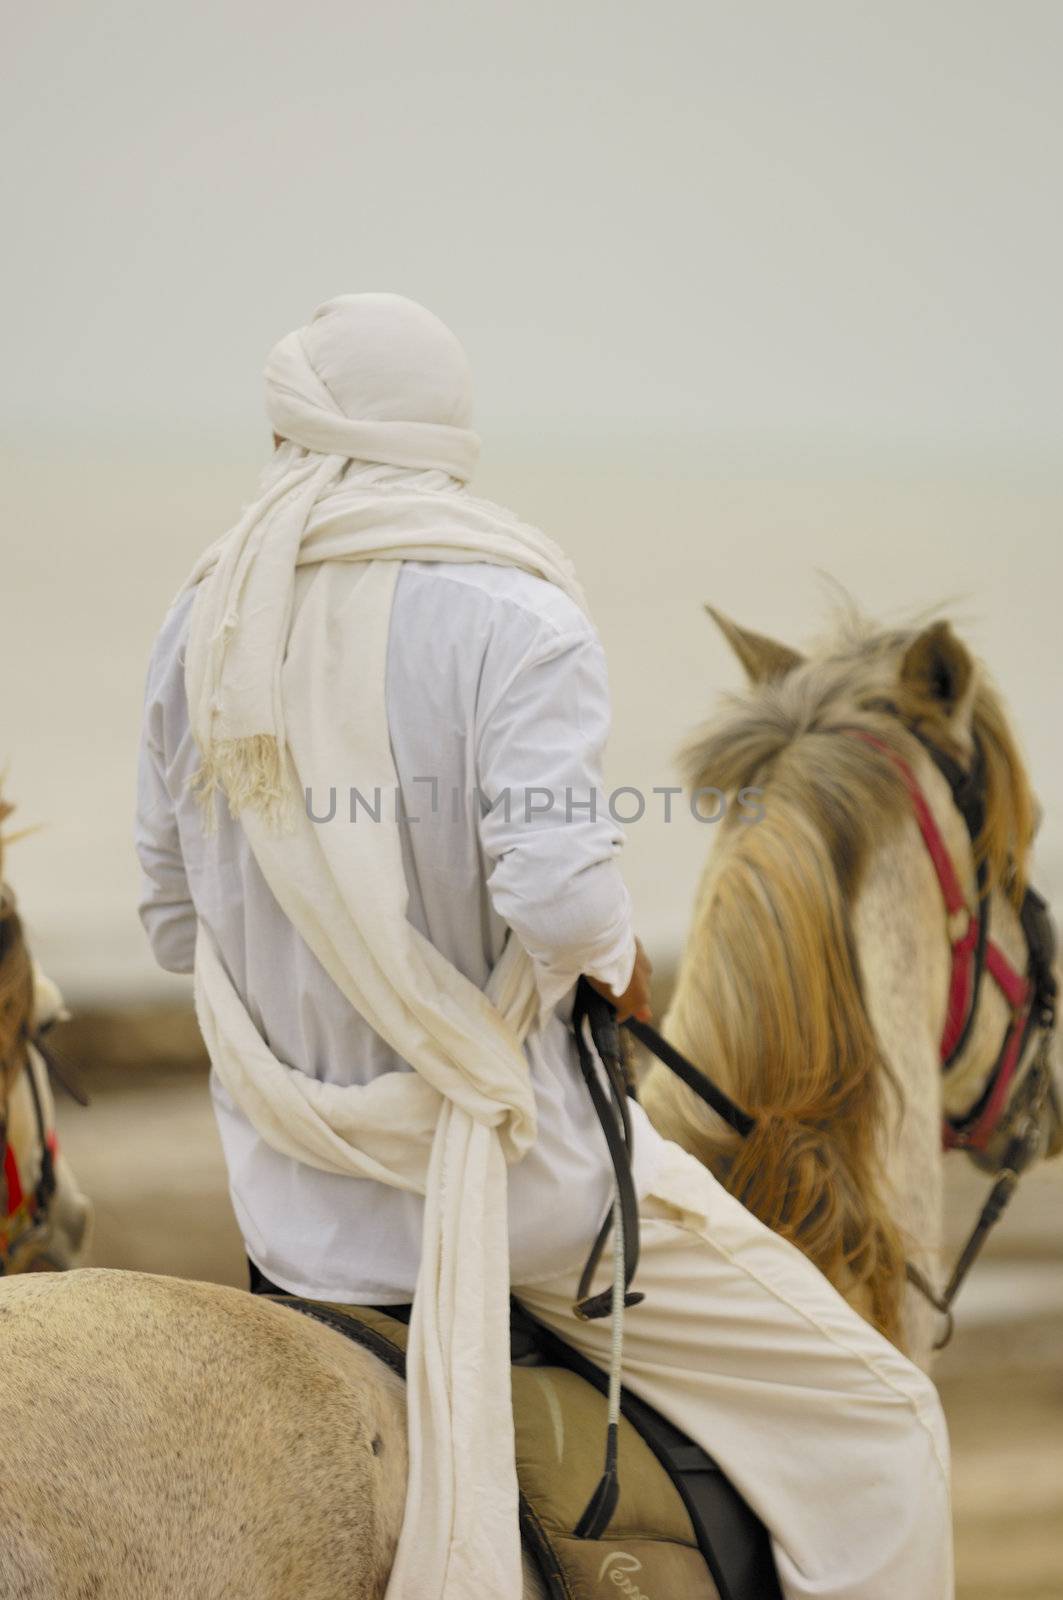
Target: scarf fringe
250	773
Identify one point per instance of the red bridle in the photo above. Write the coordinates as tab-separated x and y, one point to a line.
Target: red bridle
16	1196
25	1209
965	930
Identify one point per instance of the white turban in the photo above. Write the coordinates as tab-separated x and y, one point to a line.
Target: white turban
375	377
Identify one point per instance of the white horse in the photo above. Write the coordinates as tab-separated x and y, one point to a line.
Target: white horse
168	1438
816	980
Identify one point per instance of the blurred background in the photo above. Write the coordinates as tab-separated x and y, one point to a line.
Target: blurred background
756	296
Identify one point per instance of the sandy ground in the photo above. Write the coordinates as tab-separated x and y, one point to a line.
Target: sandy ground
147	1152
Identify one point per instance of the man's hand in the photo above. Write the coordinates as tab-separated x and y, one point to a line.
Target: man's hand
635	1000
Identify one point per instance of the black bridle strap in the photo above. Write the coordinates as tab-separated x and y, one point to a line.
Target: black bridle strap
594	1024
693	1077
1041	947
595	1012
1021	1150
46	1179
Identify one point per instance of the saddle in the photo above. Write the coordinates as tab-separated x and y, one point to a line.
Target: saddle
679	1527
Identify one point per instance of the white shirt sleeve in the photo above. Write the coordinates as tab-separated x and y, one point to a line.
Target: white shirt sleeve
549	841
166	908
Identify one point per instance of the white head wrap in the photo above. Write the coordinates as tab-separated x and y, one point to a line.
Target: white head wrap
375	377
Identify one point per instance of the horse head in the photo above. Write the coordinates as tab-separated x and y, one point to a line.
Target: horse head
870	971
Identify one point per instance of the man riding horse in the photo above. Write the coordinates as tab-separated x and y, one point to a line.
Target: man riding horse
371	823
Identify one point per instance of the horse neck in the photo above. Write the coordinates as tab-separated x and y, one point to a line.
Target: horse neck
902	958
903	953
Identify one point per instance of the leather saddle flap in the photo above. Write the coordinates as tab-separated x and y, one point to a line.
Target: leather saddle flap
649	1549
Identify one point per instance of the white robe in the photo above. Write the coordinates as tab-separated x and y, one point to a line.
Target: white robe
525	697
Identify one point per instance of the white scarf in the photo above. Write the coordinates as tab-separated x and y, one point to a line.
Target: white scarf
375	378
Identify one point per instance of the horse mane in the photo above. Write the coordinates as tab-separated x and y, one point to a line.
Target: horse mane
770	996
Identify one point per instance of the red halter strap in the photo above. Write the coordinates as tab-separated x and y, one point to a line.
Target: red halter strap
975	1131
16	1196
12	1181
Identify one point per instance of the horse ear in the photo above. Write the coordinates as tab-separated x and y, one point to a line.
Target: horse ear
764	659
938	669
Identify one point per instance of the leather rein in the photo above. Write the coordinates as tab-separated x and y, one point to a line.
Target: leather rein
1002	1108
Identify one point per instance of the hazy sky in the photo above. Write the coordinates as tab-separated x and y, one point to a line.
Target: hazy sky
826	220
